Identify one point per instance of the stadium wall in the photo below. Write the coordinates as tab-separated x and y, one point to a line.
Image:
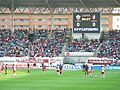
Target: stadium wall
95	67
87	35
44	21
22	63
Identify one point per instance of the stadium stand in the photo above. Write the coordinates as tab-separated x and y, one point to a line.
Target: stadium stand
111	45
19	45
13	46
81	45
51	44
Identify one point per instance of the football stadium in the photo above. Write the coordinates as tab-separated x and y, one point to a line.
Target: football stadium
59	44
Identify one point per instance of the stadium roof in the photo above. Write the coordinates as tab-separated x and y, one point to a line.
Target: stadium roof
52	4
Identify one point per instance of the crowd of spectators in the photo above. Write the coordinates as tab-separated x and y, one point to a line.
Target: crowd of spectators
48	47
82	45
111	45
13	45
18	44
50	44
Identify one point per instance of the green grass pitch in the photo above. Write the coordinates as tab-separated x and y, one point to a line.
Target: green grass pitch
69	80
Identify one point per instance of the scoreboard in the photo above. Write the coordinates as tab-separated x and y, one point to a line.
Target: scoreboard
86	22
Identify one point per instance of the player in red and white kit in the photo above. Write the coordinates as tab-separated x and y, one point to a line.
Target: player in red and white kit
43	67
103	71
2	66
14	70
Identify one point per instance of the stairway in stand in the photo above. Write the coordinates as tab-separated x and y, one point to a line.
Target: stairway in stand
96	52
63	50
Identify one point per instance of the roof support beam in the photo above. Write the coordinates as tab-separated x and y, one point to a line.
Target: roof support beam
49	6
63	10
117	2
